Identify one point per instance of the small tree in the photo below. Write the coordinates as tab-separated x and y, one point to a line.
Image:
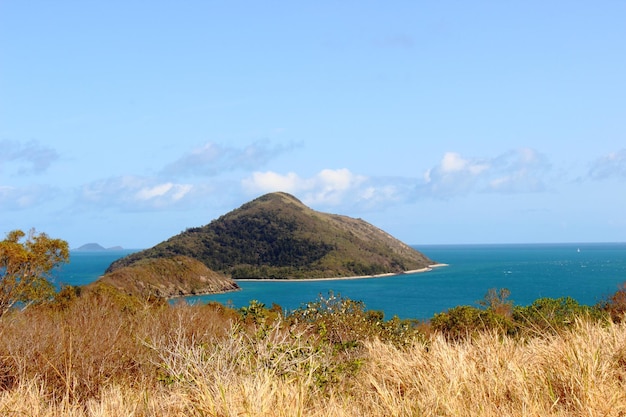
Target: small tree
26	262
496	300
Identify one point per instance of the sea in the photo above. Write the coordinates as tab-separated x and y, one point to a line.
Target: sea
587	272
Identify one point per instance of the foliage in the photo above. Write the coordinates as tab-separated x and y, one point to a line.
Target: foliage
346	323
463	321
276	236
549	315
26	262
498	314
256	313
467	321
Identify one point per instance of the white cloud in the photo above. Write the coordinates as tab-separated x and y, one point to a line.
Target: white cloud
329	187
266	182
454	162
135	193
612	165
512	172
516	171
164	191
453	175
147	193
332	188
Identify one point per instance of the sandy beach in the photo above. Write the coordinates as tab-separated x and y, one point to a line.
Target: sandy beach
391	274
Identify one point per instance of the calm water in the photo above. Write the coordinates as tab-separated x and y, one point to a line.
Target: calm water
586	272
86	267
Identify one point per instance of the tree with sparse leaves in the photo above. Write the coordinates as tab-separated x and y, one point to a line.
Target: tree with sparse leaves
26	262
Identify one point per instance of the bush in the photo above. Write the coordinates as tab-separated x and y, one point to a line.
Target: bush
466	321
256	313
346	323
550	315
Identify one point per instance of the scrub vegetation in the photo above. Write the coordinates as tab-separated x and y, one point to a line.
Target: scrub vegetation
99	352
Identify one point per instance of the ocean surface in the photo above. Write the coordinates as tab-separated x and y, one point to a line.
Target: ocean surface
586	271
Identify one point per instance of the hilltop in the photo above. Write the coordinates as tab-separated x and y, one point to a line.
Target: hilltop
277	236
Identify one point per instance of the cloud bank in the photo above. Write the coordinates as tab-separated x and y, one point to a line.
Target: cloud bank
518	171
522	170
129	192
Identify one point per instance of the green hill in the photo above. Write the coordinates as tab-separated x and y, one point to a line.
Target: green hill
277	236
168	277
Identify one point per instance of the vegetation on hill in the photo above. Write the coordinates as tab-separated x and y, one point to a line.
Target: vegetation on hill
276	236
168	277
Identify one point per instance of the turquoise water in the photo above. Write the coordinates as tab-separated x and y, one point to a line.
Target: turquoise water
586	272
86	267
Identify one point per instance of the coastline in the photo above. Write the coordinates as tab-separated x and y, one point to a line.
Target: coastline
201	293
390	274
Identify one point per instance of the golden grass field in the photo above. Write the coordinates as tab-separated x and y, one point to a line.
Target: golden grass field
102	354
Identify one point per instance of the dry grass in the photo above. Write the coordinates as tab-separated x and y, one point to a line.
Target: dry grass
576	373
102	356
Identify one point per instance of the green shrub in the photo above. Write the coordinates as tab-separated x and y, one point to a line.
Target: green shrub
461	322
466	321
346	323
255	312
549	315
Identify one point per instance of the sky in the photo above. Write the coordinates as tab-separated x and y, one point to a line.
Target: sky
126	122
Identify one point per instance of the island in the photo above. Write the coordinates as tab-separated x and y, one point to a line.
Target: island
95	247
274	236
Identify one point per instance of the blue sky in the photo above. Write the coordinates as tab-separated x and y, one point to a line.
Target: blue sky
125	122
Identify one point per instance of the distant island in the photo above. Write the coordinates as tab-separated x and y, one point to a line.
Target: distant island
95	247
274	236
